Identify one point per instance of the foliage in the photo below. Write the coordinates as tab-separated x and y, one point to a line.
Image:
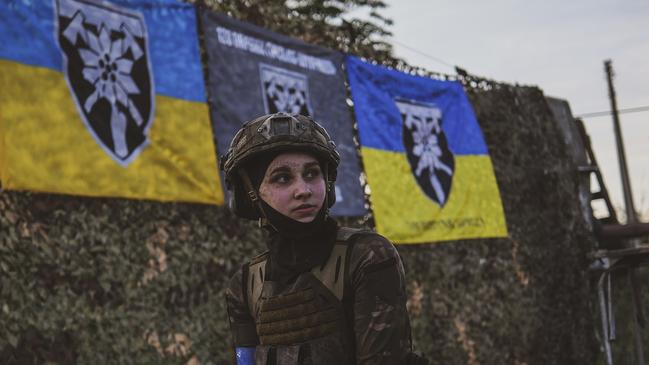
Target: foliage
327	23
522	299
114	281
117	281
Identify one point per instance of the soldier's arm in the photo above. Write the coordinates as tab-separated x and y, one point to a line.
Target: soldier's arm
242	325
381	324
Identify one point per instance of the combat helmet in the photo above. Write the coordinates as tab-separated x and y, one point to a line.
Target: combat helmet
269	134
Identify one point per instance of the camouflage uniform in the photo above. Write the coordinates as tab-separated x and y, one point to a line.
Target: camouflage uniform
330	295
374	328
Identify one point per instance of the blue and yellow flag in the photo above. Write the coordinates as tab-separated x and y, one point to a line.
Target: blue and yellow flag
105	99
427	164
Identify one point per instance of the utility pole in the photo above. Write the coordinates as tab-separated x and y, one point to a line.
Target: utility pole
624	170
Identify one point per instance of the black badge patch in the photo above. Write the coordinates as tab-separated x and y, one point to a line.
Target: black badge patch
431	162
284	91
107	68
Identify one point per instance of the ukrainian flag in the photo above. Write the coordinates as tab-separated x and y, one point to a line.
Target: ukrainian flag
427	165
105	99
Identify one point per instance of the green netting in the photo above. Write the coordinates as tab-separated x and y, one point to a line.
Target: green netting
111	281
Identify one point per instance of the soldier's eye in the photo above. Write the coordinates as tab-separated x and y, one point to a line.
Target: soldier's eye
312	173
281	178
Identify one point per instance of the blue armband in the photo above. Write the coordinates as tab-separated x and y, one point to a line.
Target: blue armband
245	355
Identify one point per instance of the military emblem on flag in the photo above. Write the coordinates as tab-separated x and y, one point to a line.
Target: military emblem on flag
284	91
426	160
107	68
431	161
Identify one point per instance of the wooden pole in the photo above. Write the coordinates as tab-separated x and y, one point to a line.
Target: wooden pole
624	171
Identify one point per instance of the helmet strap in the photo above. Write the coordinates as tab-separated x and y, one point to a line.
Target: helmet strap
253	195
328	185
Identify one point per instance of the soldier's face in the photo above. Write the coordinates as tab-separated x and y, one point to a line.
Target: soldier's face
294	186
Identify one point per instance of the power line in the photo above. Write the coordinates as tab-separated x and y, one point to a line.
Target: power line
585	115
436	59
608	112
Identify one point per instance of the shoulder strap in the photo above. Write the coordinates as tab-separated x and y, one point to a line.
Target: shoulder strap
333	273
345	233
255	281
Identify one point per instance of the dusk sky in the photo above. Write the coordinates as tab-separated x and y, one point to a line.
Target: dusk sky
558	46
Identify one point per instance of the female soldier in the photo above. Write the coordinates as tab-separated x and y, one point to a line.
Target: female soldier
321	294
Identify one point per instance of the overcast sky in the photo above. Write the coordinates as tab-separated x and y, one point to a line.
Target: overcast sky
558	46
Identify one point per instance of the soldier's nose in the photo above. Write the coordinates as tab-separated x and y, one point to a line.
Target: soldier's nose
302	190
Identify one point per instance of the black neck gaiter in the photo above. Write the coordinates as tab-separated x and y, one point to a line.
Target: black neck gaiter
296	247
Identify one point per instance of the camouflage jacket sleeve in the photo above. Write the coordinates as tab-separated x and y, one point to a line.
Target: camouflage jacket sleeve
242	325
381	324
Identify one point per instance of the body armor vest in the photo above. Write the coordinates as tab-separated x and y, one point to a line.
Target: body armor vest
304	322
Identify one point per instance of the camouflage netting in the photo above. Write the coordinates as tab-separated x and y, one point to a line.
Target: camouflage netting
523	299
98	281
